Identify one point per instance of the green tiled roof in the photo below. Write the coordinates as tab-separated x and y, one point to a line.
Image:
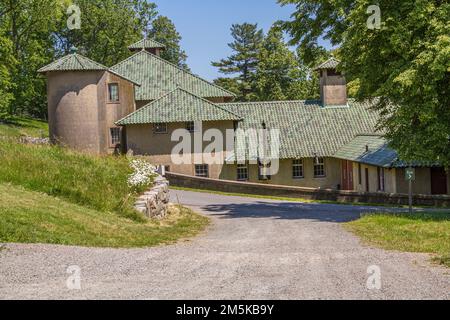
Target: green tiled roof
77	62
73	62
147	44
331	63
158	77
178	106
368	149
306	128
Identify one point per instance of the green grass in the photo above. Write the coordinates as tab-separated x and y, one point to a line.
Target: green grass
420	232
32	217
24	127
99	183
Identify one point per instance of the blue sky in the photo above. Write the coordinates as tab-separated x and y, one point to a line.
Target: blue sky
205	26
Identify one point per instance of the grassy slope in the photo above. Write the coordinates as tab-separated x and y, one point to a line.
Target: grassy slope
33	217
24	127
421	232
74	198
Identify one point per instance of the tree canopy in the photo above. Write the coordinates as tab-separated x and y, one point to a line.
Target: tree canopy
34	33
405	63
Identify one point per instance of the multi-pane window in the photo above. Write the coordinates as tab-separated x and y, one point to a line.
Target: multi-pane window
297	169
115	136
264	171
190	126
202	170
242	172
319	168
113	92
160	128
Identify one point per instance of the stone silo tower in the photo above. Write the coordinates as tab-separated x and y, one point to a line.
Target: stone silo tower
85	100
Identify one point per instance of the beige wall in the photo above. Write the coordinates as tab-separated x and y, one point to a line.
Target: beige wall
284	176
79	116
157	148
422	184
389	175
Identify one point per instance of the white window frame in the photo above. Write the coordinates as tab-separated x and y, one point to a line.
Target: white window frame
298	163
115	84
319	166
112	135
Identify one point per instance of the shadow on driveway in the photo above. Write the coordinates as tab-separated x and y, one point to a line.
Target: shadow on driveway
290	211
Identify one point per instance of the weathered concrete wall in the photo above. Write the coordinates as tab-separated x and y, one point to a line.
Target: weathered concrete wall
73	109
155	203
80	115
303	193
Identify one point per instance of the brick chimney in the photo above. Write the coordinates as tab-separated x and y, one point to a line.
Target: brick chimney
333	86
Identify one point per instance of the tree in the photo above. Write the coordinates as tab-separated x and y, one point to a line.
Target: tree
5	78
107	28
279	76
406	63
164	31
244	60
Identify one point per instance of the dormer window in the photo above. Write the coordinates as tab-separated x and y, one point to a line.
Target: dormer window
113	92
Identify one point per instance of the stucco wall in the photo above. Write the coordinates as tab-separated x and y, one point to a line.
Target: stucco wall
73	109
284	176
333	89
157	148
389	183
79	115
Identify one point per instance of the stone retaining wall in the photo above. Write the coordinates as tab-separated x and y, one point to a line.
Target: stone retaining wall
155	202
180	180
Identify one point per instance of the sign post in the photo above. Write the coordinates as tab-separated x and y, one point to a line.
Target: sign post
410	177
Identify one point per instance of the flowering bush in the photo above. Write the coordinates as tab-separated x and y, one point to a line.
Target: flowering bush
142	173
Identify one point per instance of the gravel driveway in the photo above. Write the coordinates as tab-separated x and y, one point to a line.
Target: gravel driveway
255	249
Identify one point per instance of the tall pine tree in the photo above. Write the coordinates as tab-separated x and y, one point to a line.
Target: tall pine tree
245	58
164	31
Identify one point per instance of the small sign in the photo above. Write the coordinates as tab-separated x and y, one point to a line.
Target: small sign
410	174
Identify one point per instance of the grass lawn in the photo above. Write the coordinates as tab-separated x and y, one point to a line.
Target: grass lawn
420	232
99	183
32	217
24	127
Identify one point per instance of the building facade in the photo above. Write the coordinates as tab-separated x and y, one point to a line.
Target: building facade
147	106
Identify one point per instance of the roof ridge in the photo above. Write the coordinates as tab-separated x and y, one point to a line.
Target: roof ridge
216	105
268	102
174	65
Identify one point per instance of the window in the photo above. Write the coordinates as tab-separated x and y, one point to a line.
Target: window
160	128
190	126
202	170
113	92
297	169
242	172
319	168
115	136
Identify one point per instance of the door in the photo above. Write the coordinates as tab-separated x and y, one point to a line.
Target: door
347	175
438	181
367	180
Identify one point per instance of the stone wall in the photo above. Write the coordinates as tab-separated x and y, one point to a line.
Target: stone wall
303	193
155	202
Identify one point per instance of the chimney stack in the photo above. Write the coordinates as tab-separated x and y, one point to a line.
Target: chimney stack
333	86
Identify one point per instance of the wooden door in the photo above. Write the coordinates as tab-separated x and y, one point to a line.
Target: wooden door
438	181
347	175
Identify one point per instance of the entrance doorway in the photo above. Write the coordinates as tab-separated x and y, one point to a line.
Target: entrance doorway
347	175
438	181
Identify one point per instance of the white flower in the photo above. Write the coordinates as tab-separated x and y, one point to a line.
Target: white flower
142	173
